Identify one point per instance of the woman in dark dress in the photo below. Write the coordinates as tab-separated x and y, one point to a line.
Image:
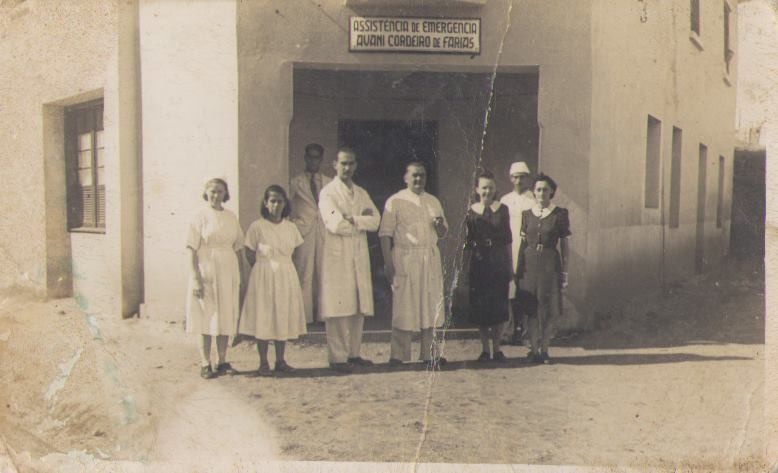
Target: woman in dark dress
542	272
488	243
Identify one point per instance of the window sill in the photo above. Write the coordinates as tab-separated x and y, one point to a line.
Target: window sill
696	40
93	230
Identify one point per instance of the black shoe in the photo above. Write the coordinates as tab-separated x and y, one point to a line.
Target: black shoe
283	367
264	370
544	358
394	362
206	372
484	357
534	357
341	368
225	368
359	361
500	357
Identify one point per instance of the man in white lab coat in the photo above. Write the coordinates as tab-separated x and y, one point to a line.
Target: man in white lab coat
412	223
304	198
346	288
517	201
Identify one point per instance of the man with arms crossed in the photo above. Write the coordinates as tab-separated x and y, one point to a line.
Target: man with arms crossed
346	287
304	198
412	223
517	201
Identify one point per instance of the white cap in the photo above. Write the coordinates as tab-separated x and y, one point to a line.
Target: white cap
519	167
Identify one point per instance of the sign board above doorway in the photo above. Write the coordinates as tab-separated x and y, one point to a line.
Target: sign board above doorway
415	35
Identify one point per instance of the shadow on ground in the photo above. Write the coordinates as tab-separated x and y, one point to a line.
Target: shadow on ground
726	305
621	359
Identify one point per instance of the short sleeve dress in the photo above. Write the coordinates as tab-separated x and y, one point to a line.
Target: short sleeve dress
488	239
216	236
273	308
540	268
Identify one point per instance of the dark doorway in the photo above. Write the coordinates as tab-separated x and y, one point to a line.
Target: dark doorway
748	205
393	116
384	148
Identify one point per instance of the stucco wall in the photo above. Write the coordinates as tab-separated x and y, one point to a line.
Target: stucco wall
189	86
42	73
551	37
758	71
55	55
645	64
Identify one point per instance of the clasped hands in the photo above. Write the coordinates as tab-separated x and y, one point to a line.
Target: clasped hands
350	218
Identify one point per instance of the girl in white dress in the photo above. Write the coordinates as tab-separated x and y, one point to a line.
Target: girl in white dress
214	242
273	308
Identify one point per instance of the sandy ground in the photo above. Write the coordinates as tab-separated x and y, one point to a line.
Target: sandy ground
663	382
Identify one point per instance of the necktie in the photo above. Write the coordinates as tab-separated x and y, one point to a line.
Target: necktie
314	190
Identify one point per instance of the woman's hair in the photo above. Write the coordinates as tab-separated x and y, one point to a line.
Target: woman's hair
547	179
481	174
280	191
223	183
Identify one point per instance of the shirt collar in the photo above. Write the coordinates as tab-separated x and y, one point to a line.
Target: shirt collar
410	194
343	189
478	207
543	213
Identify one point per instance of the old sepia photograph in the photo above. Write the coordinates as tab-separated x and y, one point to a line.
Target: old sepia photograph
388	236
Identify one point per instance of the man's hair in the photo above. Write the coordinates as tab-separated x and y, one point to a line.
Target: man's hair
348	150
415	164
314	147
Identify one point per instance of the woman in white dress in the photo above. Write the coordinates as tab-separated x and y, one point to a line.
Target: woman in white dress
215	243
273	308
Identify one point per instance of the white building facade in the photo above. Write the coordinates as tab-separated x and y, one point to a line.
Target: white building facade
629	106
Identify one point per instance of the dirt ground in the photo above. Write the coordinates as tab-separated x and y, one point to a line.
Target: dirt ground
663	382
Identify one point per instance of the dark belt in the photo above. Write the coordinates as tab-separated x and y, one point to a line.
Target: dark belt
487	242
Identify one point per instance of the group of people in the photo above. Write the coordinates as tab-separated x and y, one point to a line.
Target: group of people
309	262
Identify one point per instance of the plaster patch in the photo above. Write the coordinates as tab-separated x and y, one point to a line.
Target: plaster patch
59	382
91	323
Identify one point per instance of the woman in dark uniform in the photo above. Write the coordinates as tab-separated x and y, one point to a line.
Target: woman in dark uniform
542	272
488	243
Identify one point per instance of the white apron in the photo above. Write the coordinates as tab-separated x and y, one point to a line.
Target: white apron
516	203
417	288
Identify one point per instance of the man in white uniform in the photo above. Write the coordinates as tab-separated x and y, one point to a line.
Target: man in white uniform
346	287
517	201
304	198
412	223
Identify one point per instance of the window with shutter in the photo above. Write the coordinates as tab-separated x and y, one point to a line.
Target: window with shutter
85	161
